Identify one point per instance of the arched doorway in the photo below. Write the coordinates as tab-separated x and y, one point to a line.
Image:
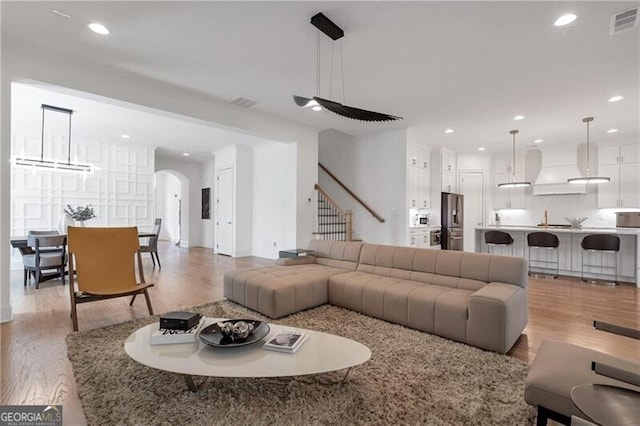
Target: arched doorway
172	205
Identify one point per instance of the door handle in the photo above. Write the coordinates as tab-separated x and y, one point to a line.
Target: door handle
456	238
229	223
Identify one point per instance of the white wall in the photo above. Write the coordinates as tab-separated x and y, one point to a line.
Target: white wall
168	187
191	231
374	168
274	186
208	225
120	191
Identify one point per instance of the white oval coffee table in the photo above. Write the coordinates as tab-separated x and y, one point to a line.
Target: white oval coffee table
320	353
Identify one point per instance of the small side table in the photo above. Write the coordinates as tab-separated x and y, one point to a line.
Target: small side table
607	405
293	253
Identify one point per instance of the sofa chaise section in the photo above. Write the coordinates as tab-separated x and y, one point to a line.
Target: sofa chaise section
276	291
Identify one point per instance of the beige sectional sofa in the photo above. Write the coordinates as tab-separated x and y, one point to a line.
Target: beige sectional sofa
475	298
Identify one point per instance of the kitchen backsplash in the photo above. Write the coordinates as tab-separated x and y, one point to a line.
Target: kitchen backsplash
558	207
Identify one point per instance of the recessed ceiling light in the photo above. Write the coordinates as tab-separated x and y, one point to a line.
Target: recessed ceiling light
519	117
125	136
612	130
538	141
98	28
615	98
565	20
186	154
481	148
316	108
60	13
448	131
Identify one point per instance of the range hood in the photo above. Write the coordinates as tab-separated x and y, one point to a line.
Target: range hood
555	168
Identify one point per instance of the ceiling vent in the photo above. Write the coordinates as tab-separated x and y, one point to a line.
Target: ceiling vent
625	20
243	102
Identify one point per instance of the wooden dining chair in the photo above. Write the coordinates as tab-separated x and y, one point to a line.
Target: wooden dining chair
104	260
152	246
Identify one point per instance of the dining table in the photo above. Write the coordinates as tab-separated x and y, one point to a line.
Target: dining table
20	243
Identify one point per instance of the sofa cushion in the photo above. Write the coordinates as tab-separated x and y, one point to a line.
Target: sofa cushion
426	307
455	269
276	291
336	254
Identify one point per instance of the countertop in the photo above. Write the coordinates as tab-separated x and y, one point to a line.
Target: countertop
424	227
524	228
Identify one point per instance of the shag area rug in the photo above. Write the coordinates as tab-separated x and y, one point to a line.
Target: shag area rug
411	378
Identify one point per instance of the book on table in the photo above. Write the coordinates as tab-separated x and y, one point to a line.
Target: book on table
288	341
163	336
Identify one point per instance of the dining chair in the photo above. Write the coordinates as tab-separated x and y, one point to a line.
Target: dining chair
152	246
105	263
29	249
49	252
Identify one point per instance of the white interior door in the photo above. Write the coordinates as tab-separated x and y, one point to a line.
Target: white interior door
224	204
472	187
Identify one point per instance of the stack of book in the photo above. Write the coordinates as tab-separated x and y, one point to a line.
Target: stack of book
163	336
288	341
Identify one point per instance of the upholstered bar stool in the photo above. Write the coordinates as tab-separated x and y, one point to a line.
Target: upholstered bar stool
543	242
498	239
602	244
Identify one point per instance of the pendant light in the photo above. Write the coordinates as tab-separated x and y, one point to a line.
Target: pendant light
588	178
514	183
334	32
51	164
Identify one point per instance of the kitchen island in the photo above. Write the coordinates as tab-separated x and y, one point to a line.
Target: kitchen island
570	251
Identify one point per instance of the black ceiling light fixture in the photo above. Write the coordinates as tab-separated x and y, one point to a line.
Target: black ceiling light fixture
334	32
52	164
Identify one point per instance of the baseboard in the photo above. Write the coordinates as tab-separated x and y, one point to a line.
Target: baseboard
6	313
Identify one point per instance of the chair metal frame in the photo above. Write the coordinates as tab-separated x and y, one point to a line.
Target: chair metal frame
601	266
546	262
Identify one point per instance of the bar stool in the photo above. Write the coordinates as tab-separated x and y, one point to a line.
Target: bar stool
602	244
498	239
547	242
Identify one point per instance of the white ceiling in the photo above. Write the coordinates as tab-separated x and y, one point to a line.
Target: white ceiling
99	119
470	66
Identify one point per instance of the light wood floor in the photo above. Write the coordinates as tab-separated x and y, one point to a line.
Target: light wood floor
35	369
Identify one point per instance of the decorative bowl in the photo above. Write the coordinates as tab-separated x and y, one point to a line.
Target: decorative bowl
576	222
235	332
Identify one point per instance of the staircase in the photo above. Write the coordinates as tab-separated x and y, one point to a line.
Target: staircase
332	222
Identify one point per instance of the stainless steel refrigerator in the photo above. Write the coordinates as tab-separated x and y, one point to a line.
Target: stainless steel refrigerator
451	215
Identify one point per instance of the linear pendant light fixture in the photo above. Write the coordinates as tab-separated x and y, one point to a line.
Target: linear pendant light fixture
588	178
514	183
55	165
334	32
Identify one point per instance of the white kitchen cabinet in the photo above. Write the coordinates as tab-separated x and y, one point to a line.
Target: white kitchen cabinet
622	165
418	177
449	160
419	237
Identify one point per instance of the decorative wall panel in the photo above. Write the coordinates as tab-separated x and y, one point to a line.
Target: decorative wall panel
120	190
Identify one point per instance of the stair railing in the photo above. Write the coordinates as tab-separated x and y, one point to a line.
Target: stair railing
362	203
333	222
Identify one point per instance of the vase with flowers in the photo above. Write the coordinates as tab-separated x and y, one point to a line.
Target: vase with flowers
80	214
